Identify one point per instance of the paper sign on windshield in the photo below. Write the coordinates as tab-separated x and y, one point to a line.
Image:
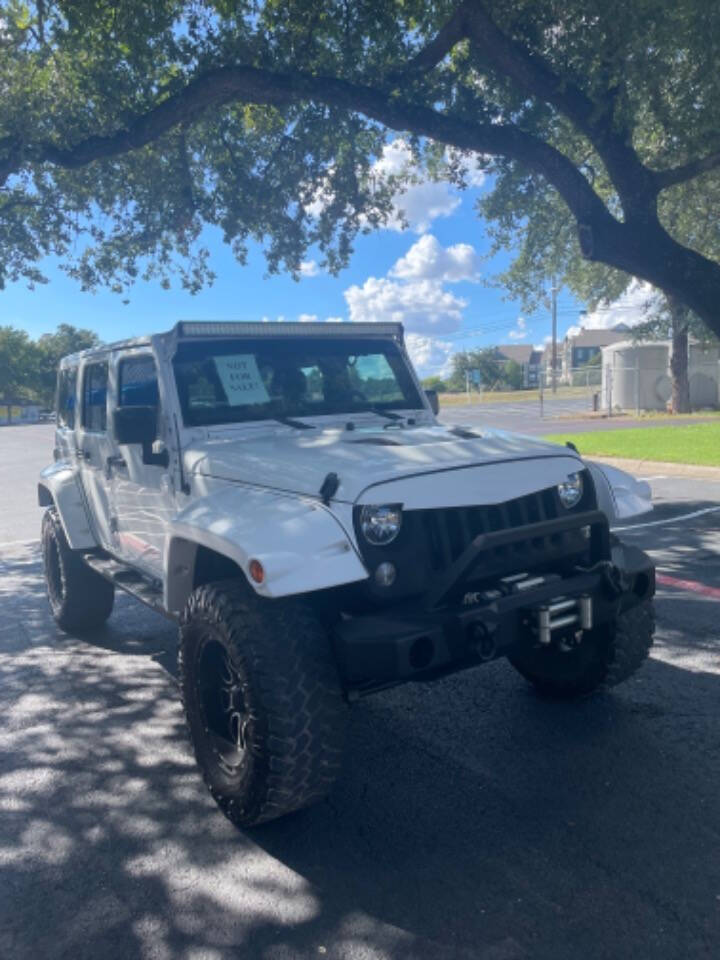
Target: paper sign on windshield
241	379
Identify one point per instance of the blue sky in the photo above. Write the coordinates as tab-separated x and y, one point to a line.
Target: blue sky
428	275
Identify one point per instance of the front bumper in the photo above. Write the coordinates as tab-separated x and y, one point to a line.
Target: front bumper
378	651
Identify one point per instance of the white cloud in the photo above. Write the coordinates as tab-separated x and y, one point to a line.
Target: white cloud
519	332
309	268
466	163
427	259
422	203
395	159
421	305
419	203
308	318
334	319
429	355
629	308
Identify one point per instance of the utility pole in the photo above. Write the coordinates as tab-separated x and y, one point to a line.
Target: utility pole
554	291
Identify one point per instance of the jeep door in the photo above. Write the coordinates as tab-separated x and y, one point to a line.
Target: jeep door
93	446
141	490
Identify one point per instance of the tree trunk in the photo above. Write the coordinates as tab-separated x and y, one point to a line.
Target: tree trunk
679	357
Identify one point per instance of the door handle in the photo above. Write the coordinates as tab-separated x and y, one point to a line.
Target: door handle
111	462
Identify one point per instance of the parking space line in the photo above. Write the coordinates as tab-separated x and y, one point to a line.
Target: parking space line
692	585
678	519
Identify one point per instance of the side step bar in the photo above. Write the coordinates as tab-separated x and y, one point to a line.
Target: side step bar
125	577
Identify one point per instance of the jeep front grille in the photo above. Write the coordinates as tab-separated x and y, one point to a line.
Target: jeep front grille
449	532
430	542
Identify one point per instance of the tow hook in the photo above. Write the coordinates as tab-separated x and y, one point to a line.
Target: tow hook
615	580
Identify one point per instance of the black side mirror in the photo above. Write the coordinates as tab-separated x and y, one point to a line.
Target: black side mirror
433	400
139	425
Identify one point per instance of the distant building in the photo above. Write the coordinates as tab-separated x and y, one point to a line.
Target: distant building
581	349
18	411
527	358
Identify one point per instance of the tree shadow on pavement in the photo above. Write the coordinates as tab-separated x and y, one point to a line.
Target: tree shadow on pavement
473	819
697	546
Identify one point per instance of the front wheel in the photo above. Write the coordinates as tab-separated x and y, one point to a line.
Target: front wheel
262	699
80	599
605	657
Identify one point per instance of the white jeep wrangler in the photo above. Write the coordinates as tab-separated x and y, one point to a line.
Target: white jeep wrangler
286	494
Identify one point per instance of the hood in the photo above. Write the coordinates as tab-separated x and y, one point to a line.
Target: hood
371	460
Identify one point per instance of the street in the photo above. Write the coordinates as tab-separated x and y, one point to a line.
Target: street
473	819
524	417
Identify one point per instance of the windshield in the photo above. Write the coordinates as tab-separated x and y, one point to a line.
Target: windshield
244	379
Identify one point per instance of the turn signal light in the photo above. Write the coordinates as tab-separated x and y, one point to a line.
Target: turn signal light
257	571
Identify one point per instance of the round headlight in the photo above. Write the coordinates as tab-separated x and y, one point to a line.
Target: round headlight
571	491
380	525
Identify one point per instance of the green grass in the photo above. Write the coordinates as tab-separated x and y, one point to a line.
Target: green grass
697	443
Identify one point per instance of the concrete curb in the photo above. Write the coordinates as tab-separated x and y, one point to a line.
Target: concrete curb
656	466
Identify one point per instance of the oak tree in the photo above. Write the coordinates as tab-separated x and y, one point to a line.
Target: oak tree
125	128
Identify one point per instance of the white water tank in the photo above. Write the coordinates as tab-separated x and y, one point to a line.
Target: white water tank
704	375
636	376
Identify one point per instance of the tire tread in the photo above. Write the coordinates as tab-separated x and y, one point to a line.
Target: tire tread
287	655
89	597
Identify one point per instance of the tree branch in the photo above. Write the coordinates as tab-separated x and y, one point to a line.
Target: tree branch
530	71
439	47
686	171
211	89
253	85
639	246
635	184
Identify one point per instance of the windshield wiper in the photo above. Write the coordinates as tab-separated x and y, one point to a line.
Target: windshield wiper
289	422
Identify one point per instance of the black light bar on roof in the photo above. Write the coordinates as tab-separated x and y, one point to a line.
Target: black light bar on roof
238	328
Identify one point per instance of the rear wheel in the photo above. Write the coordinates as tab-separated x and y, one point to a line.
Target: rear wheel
262	699
605	657
80	599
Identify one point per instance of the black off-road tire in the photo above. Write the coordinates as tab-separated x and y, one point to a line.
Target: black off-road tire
605	657
260	673
80	599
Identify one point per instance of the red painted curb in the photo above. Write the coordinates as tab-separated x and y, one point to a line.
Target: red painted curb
692	585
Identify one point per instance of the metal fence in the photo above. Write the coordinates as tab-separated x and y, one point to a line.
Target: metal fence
574	393
624	386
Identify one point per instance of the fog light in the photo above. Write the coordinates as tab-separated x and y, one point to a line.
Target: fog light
385	575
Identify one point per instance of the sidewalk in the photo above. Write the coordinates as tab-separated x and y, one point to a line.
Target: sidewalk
658	466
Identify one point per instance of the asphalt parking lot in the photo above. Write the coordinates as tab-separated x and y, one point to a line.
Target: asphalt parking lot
473	820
